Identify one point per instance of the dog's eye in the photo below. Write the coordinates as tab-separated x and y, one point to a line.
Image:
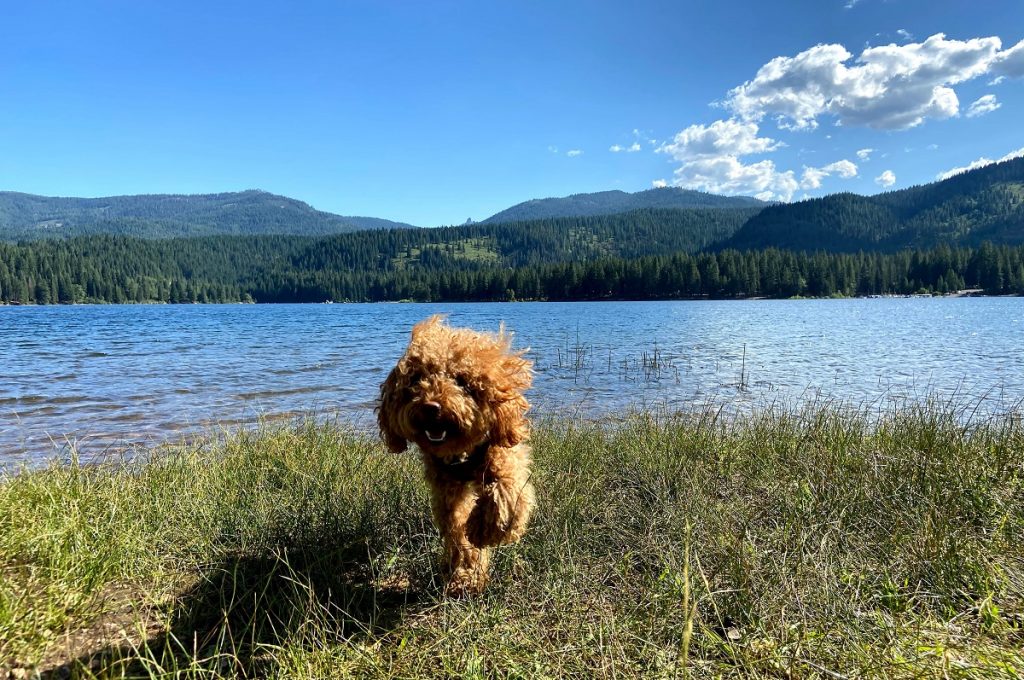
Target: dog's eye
462	382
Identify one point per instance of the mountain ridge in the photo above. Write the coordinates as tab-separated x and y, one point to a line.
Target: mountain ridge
983	204
250	212
616	201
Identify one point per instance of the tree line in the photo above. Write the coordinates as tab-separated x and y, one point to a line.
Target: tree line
302	269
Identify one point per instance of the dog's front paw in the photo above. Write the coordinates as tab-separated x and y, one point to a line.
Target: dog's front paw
488	523
466	583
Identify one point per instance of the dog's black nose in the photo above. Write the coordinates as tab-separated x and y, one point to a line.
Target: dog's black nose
431	408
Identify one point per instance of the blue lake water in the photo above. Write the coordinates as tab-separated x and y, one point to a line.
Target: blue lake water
104	377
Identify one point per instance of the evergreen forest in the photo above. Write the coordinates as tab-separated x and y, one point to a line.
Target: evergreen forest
966	232
293	269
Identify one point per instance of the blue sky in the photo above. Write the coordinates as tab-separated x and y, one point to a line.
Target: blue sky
435	112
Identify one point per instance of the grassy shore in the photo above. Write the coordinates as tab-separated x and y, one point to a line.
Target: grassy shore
814	543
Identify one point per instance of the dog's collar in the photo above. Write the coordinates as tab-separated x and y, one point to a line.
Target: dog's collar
473	458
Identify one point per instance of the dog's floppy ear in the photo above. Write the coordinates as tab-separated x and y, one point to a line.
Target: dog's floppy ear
510	424
387	412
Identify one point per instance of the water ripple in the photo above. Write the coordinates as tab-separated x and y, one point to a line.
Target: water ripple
112	376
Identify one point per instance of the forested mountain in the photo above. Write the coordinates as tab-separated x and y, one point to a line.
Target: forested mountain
986	204
967	231
277	267
26	216
515	244
611	202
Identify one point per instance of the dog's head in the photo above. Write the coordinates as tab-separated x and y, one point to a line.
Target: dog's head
453	390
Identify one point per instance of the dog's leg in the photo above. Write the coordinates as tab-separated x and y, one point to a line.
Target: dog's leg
466	564
503	510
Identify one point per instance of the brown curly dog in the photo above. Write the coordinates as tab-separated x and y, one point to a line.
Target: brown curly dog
458	395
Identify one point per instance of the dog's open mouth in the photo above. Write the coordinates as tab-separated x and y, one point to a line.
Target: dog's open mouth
436	436
435	426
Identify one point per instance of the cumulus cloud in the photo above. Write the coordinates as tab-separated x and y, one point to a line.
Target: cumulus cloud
984	104
710	158
632	148
980	163
659	184
812	176
1010	62
572	153
728	175
721	138
904	34
888	87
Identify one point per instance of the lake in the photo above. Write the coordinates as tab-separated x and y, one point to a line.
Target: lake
108	376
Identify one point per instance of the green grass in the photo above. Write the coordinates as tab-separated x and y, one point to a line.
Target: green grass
482	250
813	543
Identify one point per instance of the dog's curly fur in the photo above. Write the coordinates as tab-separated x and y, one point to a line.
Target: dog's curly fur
458	395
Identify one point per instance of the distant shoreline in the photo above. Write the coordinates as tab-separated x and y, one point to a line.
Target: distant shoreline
968	293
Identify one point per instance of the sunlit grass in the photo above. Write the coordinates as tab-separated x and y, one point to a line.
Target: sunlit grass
481	250
814	543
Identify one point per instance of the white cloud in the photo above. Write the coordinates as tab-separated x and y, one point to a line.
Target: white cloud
850	4
812	176
710	161
710	157
998	80
1011	62
572	153
632	148
659	184
980	163
728	175
889	87
721	138
643	135
904	34
984	104
553	149
844	168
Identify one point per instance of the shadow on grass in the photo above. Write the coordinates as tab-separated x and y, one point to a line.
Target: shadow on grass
243	610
